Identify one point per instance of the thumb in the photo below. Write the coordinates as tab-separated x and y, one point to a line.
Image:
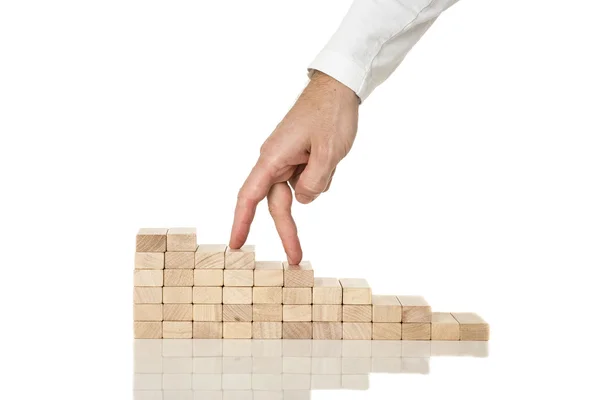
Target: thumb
315	177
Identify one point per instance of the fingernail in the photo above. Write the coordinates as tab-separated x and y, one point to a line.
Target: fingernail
303	198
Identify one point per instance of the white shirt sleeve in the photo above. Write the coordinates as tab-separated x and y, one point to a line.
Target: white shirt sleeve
374	38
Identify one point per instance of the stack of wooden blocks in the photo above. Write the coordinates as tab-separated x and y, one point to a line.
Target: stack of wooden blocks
185	290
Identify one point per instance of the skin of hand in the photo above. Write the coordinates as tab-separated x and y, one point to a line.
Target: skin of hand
302	152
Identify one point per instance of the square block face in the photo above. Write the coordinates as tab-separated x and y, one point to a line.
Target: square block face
387	331
267	295
353	313
147	312
268	273
297	313
355	291
267	312
207	295
147	277
151	240
237	295
297	330
177	330
208	312
208	330
327	313
267	330
181	239
386	309
210	256
149	260
416	331
147	295
243	258
327	330
444	327
415	309
472	327
301	275
208	277
327	291
297	295
179	260
177	312
147	330
237	330
240	278
357	330
237	313
177	295
179	277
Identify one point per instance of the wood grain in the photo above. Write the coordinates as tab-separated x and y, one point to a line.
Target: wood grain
147	277
237	330
179	277
472	327
387	331
444	327
267	312
268	273
208	277
147	295
297	330
327	330
327	291
237	313
179	259
267	295
147	330
177	312
177	330
355	291
242	258
267	330
415	309
416	331
357	330
208	312
357	313
239	278
151	240
301	275
181	239
297	295
327	312
207	295
208	330
149	260
386	309
297	313
147	312
237	295
177	295
210	256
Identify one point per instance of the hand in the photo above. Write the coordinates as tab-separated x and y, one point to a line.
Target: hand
302	152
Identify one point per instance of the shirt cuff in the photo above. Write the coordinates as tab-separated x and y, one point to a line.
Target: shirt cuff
341	68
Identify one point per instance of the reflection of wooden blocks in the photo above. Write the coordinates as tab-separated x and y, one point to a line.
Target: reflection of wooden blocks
297	313
267	295
444	327
297	295
472	327
354	313
177	330
386	309
327	291
237	313
208	312
327	313
268	273
177	312
210	256
147	330
179	260
357	330
240	258
267	312
208	330
416	331
177	295
237	330
237	295
147	295
355	291
267	330
297	330
327	330
147	277
244	278
179	277
387	331
151	240
208	277
415	309
147	312
207	295
149	260
181	239
301	275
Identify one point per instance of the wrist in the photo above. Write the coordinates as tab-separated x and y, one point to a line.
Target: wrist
321	82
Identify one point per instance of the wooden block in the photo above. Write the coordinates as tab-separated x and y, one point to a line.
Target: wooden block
147	312
207	295
415	309
357	330
237	313
240	278
416	331
179	277
267	330
297	295
387	331
151	240
386	309
208	330
297	313
208	277
237	295
177	295
354	313
147	277
147	295
147	330
444	327
149	261
208	312
237	330
210	256
327	330
177	330
327	291
240	258
267	295
181	239
297	330
301	275
268	273
179	260
267	312
327	313
177	312
355	291
472	327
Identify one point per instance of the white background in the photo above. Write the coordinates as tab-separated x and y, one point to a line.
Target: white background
474	179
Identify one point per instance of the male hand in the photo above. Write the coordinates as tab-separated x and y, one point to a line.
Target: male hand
303	153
